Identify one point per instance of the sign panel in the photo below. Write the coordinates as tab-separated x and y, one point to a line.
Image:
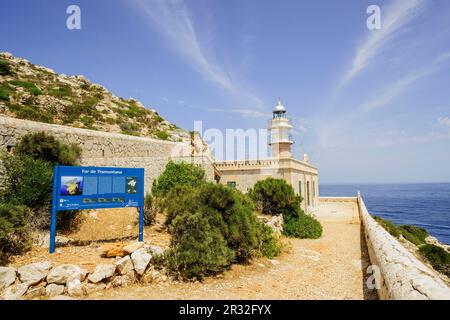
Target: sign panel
78	188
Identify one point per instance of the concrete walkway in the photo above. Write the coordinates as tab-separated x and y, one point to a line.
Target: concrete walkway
327	268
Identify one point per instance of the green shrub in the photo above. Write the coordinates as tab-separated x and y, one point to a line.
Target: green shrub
438	258
215	226
389	226
5	68
27	181
269	244
14	230
4	95
129	128
303	226
177	174
198	248
275	196
87	121
45	147
149	210
162	135
413	234
31	87
32	112
62	91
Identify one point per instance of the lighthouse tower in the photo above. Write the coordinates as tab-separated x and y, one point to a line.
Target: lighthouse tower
280	128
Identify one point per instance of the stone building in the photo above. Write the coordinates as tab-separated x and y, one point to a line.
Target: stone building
243	174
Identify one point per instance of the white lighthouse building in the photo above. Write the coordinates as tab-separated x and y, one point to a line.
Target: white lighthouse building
280	129
303	176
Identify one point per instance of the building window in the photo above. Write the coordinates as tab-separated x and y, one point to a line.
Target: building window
300	188
231	184
307	193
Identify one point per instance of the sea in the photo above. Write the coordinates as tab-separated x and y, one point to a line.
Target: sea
425	205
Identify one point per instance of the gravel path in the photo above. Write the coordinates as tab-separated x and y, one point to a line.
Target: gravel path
327	268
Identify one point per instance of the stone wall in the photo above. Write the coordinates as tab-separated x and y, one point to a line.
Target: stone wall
109	149
403	276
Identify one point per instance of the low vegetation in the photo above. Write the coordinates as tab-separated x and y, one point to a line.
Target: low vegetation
25	194
437	256
33	93
177	174
413	234
14	230
212	226
276	197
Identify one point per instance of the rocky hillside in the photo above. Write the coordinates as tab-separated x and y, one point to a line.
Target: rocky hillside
29	91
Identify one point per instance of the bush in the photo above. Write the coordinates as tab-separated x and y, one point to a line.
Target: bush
149	210
215	226
45	147
389	226
28	178
269	244
275	196
31	87
177	174
5	68
303	227
198	248
14	230
413	234
438	258
27	181
162	135
4	94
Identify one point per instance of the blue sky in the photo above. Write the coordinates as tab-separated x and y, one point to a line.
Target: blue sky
367	106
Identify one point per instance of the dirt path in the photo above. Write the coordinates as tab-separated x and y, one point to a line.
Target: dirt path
327	268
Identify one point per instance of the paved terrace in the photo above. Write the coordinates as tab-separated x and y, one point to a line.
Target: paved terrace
327	268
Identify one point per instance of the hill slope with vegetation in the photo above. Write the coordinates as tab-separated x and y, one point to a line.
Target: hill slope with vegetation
29	91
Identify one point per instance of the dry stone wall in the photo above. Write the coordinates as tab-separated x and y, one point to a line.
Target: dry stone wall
403	276
109	149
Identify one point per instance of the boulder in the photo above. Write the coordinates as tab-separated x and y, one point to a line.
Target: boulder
94	287
35	292
124	280
75	288
54	290
124	265
34	272
154	250
129	249
7	277
15	292
101	272
276	223
66	272
140	259
116	252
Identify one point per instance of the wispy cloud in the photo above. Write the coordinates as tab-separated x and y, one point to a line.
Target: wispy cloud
443	121
174	22
394	16
403	138
395	89
246	113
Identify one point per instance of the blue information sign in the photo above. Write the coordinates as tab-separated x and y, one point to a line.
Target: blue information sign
78	188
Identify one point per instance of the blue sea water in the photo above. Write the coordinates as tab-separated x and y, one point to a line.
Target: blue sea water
425	205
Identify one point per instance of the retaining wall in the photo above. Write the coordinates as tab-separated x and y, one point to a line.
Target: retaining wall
403	276
108	149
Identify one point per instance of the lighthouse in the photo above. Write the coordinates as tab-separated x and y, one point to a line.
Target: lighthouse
280	128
